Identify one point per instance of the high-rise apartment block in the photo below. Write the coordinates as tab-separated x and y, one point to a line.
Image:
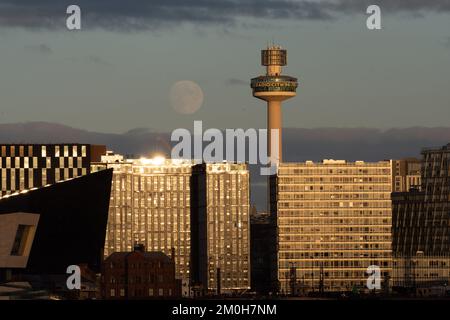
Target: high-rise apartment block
221	227
198	212
334	220
27	166
406	174
150	204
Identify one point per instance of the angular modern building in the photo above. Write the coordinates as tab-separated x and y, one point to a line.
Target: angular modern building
26	166
334	220
71	224
421	218
421	224
17	232
220	227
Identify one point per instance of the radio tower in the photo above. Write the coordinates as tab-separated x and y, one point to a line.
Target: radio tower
274	88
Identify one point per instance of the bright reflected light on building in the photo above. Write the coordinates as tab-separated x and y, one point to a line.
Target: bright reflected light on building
156	161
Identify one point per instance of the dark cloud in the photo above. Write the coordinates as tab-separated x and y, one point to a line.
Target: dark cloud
144	15
40	49
141	14
237	82
387	6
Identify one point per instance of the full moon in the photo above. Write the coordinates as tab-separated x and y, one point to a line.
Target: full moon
186	97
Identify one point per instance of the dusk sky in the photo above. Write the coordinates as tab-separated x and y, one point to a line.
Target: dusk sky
115	74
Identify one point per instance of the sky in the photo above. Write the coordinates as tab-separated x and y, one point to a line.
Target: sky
116	73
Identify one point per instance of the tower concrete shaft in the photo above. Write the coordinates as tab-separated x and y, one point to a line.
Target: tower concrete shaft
274	88
274	122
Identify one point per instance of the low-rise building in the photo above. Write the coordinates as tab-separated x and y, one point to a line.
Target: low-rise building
139	275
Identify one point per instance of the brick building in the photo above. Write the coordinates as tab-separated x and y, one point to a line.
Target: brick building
139	275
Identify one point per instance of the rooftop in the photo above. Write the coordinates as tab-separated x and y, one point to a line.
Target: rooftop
153	255
335	162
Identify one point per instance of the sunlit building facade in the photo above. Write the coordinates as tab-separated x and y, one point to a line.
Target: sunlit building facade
334	220
150	205
406	174
199	214
27	166
221	227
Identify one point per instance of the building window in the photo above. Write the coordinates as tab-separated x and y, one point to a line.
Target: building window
113	293
20	241
161	292
150	292
122	292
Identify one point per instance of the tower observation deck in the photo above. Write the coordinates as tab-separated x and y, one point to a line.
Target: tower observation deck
273	87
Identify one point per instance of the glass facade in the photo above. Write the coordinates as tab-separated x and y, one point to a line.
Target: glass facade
221	211
334	220
421	218
421	226
274	56
228	226
152	204
23	167
420	271
274	83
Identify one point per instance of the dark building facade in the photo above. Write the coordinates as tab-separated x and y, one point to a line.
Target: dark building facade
139	275
421	227
27	166
72	222
421	219
263	254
